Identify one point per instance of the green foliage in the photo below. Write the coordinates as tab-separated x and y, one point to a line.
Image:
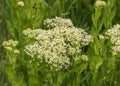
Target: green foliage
101	59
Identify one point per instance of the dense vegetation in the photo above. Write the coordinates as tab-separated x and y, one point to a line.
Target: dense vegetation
91	26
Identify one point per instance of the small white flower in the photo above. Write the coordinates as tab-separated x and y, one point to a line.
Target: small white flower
16	51
84	58
101	37
100	3
21	3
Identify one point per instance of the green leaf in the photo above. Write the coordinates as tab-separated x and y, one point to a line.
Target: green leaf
34	80
95	63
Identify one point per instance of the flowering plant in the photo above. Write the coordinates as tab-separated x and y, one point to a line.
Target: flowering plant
59	46
61	54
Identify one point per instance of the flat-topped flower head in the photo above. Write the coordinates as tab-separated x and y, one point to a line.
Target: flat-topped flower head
21	3
10	45
10	42
58	22
100	3
58	46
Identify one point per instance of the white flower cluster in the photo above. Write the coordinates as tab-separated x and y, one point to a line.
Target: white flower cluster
32	33
10	45
100	3
58	46
58	22
114	34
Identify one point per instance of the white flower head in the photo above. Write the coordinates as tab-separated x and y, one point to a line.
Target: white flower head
84	58
114	36
58	22
21	3
101	37
100	3
57	46
10	42
10	45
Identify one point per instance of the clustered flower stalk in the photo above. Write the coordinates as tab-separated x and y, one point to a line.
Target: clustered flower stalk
12	53
100	45
98	22
11	49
